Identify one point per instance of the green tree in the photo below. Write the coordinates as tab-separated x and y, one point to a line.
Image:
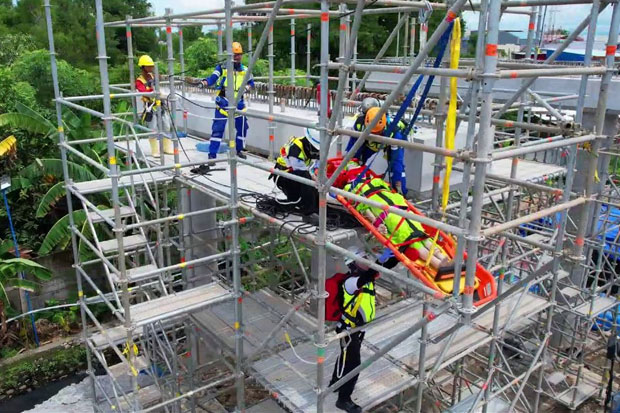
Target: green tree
74	22
13	91
14	45
201	57
34	68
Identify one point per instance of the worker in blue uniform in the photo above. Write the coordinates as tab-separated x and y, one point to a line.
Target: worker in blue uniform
219	78
395	154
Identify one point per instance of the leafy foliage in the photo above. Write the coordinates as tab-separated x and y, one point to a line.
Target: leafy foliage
13	46
201	57
13	91
34	68
59	237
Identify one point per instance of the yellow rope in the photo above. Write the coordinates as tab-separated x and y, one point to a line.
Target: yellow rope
455	54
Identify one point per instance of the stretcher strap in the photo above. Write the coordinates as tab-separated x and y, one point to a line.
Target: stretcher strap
455	53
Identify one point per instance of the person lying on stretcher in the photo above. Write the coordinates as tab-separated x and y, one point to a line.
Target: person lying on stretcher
405	234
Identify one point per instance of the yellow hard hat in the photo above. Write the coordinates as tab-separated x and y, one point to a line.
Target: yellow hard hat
370	115
145	60
237	49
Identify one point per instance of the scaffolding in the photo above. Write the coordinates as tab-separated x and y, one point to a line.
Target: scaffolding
200	282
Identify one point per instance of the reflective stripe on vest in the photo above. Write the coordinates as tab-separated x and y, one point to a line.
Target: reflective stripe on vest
284	150
361	304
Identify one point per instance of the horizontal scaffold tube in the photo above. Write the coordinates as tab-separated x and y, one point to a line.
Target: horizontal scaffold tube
178	217
112	96
470	74
543	146
533	217
405	144
168	167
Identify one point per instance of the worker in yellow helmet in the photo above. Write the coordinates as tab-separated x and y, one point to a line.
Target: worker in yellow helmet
219	78
145	83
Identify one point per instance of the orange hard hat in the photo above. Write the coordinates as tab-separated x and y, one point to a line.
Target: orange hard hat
237	49
370	115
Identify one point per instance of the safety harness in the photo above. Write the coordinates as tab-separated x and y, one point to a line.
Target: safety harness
369	189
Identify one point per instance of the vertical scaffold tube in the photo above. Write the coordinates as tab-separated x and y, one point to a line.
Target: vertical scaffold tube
130	65
293	83
270	93
320	343
68	181
183	83
114	177
484	146
234	204
308	52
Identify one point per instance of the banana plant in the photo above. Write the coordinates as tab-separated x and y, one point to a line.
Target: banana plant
10	268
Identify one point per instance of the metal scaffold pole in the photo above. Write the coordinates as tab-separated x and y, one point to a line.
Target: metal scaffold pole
67	178
113	165
131	66
234	205
483	152
320	342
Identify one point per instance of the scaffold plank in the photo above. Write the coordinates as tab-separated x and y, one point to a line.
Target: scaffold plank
468	338
266	406
105	185
599	305
109	213
137	274
575	396
178	303
122	368
130	243
263	310
294	380
147	396
117	335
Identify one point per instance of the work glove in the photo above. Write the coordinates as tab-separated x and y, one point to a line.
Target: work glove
203	84
398	185
367	276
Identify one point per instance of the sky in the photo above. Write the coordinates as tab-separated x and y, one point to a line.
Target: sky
566	17
181	6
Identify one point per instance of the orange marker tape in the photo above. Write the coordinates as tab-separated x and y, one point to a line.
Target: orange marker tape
491	49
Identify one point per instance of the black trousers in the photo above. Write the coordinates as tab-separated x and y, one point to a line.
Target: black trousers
304	197
350	355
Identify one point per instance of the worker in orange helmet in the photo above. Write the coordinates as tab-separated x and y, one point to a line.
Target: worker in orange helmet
395	154
219	78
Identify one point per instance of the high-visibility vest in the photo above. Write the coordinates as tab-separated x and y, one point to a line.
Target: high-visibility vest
142	80
284	151
238	76
359	308
401	231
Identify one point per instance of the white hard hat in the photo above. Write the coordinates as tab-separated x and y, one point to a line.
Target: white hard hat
314	139
359	253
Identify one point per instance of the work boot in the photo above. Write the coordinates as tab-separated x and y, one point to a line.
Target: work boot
242	155
348	406
211	161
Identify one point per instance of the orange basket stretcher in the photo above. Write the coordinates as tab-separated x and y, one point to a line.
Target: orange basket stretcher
485	288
